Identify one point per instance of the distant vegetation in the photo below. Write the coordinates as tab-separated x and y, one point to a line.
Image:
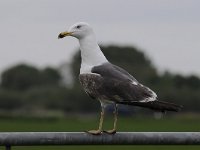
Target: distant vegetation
28	89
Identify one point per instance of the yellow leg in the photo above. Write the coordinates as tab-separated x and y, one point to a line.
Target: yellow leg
99	130
113	131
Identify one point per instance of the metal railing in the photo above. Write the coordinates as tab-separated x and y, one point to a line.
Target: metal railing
9	139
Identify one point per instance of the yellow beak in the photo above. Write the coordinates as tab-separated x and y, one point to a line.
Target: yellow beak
63	34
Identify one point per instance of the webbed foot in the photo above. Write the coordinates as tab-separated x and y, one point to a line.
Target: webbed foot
94	132
113	131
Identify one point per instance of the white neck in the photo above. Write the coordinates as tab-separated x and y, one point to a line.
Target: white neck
91	54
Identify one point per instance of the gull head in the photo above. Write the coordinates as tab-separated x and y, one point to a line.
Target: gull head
78	30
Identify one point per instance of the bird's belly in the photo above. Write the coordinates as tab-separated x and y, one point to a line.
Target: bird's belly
91	84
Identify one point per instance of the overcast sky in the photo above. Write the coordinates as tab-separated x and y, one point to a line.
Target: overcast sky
167	30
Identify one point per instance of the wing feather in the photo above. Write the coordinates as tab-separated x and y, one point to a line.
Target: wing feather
112	83
106	86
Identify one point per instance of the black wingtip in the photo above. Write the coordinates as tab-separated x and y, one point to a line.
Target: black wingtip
160	106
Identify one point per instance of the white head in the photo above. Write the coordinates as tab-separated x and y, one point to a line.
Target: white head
91	53
78	30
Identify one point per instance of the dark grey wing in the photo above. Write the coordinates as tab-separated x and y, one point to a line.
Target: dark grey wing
112	83
119	91
109	82
125	72
112	71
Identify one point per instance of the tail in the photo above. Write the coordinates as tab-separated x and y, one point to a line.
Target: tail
155	105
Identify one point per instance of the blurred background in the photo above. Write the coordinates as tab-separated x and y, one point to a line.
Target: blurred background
157	41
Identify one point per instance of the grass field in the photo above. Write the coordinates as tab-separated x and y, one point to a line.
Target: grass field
85	123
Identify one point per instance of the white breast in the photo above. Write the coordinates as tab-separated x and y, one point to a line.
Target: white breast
85	68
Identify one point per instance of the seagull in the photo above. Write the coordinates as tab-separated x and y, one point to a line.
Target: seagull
108	83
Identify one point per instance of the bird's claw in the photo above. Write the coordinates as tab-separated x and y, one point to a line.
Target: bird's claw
113	131
94	132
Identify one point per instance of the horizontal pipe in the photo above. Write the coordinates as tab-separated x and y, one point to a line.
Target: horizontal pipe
81	138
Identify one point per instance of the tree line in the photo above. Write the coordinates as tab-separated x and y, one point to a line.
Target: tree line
25	87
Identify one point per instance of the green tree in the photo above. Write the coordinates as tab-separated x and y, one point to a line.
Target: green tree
50	76
23	77
20	77
10	100
192	81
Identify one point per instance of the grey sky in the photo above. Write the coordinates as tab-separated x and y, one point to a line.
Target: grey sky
167	30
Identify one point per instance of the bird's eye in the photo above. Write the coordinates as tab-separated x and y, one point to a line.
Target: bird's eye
78	26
